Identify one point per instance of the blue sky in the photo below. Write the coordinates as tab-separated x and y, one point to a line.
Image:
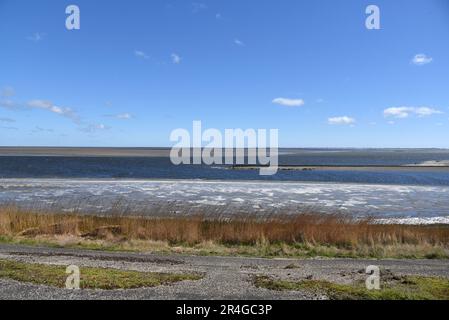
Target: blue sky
136	70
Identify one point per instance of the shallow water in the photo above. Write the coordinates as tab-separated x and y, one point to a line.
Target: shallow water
153	184
161	168
231	197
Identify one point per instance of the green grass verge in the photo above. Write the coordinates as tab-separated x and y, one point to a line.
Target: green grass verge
405	288
90	278
265	250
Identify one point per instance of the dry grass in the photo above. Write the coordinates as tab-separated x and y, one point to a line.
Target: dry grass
309	231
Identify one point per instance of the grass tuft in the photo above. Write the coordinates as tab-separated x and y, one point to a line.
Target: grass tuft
404	288
90	278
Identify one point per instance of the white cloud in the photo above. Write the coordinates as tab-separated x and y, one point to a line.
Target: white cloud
197	7
36	37
239	42
7	92
141	54
63	112
426	111
124	116
39	129
405	112
8	104
101	126
49	106
288	102
176	59
341	120
421	59
91	128
398	112
9	120
121	116
41	104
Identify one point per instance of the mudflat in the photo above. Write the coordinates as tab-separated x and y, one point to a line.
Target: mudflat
84	152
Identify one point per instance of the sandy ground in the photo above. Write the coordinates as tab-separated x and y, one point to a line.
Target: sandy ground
224	277
84	152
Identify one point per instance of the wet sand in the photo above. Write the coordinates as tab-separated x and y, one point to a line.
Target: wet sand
84	152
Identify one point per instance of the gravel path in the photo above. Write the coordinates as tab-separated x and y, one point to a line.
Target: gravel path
224	277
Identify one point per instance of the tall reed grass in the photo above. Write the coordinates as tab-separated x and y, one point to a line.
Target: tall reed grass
323	229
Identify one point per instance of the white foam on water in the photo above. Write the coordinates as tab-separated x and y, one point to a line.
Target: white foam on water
414	220
403	202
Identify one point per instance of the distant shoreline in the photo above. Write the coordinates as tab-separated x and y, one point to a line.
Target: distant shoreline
165	151
409	168
83	152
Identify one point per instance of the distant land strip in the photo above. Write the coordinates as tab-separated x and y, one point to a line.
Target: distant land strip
84	152
413	168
